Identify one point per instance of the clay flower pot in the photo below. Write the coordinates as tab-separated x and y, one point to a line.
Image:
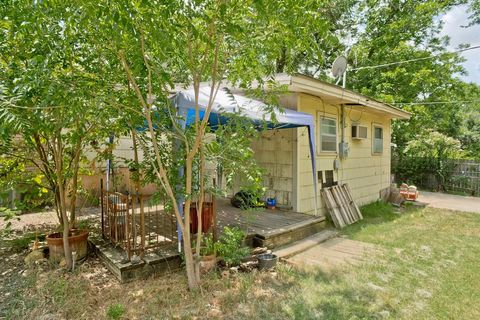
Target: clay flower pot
77	240
208	263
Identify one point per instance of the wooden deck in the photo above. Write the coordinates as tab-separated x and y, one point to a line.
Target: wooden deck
271	228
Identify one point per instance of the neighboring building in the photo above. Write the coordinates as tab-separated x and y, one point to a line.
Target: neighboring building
285	153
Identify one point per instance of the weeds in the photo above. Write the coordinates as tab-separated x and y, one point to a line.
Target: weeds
115	311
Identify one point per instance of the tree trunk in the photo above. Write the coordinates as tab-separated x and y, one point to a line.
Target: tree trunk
73	199
193	283
58	158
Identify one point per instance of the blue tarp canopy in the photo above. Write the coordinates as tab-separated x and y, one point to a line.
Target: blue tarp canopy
227	103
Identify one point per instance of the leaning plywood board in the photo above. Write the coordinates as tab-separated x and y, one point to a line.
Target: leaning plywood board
339	202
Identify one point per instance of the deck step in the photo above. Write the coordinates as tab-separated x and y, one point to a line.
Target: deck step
305	244
289	234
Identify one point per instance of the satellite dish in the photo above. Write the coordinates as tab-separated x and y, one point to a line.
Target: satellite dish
339	66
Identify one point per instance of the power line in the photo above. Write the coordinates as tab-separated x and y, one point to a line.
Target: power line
434	102
412	60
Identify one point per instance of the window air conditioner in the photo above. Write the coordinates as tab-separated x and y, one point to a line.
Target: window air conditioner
359	132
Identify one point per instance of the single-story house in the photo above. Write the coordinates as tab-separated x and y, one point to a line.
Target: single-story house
352	134
352	138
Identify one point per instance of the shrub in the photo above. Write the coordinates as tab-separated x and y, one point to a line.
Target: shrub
230	246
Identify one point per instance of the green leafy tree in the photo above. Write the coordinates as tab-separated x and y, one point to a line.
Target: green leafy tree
151	46
430	153
51	82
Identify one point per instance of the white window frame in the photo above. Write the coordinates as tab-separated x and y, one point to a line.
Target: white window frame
321	116
379	126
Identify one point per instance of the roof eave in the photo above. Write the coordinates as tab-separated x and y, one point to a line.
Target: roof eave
306	84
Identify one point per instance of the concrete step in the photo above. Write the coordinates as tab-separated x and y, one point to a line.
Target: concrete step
302	245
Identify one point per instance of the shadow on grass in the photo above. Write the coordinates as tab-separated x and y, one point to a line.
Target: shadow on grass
378	213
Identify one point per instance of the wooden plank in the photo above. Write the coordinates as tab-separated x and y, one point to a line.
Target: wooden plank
335	210
335	220
352	203
341	191
343	211
347	203
344	205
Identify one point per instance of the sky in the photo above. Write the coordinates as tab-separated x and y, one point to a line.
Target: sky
453	22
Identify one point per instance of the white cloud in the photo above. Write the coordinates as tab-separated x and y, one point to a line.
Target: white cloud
453	22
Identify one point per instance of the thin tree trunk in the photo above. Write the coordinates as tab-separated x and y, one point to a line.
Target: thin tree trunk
76	168
200	204
58	157
193	283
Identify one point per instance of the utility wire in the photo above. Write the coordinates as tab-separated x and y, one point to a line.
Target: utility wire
412	60
433	102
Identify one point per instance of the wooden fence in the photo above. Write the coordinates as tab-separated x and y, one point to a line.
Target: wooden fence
464	177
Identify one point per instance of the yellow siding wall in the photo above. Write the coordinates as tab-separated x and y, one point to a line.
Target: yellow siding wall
365	173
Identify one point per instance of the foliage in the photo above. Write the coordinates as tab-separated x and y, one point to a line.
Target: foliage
230	246
209	246
7	214
30	185
115	311
52	94
429	154
474	12
152	45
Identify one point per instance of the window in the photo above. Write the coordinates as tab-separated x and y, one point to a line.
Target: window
329	181
377	139
329	178
328	134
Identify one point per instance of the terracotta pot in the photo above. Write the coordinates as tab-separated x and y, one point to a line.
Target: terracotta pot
77	240
208	263
207	217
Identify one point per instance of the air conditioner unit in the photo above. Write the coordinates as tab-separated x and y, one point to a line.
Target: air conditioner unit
359	132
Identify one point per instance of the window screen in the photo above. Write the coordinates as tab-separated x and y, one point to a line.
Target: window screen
328	134
377	140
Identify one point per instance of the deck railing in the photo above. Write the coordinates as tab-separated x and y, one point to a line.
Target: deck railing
137	223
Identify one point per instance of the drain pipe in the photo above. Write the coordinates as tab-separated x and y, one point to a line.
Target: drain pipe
343	145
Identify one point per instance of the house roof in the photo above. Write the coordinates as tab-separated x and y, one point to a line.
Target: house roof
334	94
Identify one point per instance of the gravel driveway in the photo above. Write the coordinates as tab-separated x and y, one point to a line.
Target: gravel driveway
450	201
45	218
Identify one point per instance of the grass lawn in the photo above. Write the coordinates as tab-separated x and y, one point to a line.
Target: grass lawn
428	268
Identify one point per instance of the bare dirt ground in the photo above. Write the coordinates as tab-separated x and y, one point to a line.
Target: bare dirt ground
450	201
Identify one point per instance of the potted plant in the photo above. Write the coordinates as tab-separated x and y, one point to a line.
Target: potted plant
208	254
77	240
